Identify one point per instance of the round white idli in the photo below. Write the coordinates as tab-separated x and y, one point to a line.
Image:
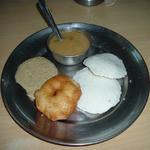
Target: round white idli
99	94
32	73
106	65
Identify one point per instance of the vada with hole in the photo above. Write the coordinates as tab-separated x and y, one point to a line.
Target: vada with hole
57	98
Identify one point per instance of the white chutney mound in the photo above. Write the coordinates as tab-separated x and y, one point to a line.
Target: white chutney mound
106	65
99	94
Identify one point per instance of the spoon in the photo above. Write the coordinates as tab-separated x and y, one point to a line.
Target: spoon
46	14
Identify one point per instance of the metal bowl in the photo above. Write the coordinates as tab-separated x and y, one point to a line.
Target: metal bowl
70	59
89	2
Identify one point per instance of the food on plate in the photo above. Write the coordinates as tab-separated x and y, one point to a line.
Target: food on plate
99	94
32	73
106	65
57	98
73	43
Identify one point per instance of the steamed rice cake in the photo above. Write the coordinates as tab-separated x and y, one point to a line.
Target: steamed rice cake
32	73
106	65
99	94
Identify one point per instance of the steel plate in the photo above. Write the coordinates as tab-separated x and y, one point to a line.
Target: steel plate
80	128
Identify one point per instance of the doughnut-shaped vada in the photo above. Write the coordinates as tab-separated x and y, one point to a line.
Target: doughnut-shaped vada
58	97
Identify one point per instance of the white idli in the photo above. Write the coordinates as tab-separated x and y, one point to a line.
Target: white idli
32	73
106	65
99	94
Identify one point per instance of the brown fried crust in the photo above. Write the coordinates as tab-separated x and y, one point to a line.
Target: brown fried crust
58	97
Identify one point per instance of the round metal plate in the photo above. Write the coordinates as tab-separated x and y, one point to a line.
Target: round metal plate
80	128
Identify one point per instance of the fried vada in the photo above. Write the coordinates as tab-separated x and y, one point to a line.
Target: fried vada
57	98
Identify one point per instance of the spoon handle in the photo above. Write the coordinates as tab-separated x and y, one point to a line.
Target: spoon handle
56	29
46	14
